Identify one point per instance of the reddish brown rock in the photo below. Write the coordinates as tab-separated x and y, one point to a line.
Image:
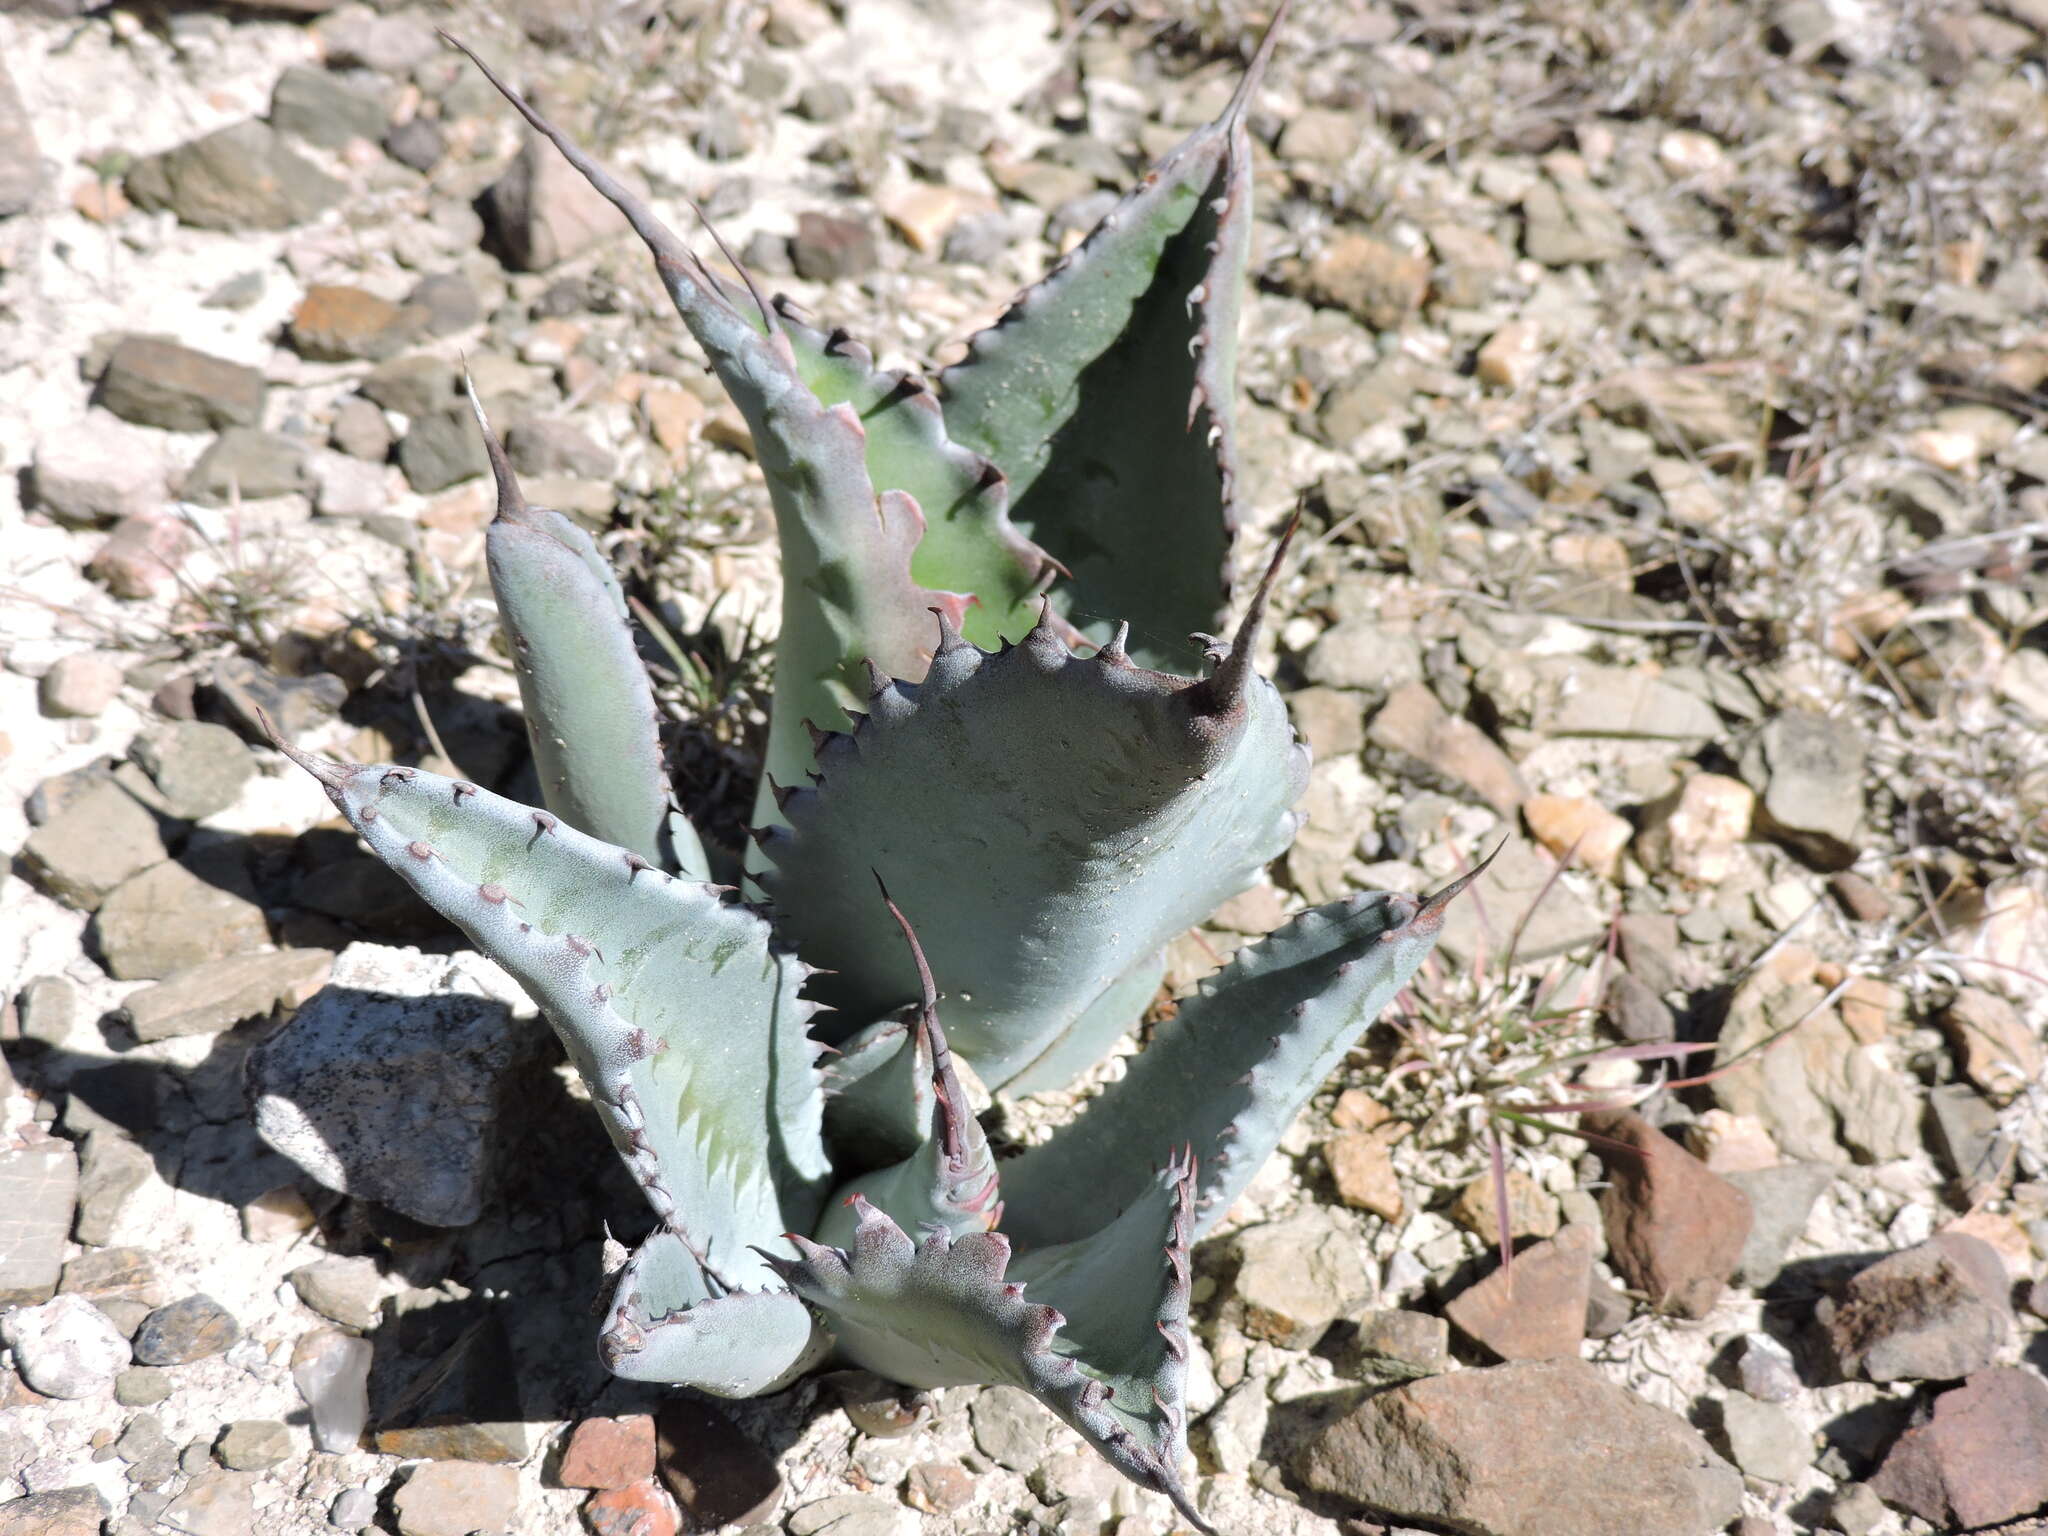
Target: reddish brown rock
1675	1228
1361	1165
609	1453
1934	1312
1982	1456
1414	723
639	1509
937	1487
1535	1448
335	322
1536	1309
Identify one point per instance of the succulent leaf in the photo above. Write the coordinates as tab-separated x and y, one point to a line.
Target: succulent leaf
676	1005
1115	1012
950	1180
848	594
878	1095
1106	395
590	712
1231	1069
970	544
1053	820
948	1311
669	1324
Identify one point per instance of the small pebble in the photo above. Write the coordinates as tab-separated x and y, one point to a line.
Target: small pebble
194	1328
250	1445
79	686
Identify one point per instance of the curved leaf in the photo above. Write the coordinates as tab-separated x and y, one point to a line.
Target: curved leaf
1106	393
668	1324
676	1005
1052	820
590	711
947	1311
1232	1068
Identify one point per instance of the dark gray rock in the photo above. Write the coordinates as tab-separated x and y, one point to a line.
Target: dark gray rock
1807	770
321	108
1934	1312
829	246
415	386
449	301
1780	1200
390	1087
243	177
193	1328
240	692
442	449
199	768
417	143
246	464
111	1168
179	914
548	445
158	383
98	840
38	1193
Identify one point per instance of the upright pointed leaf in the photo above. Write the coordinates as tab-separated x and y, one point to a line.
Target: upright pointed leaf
950	1180
970	544
847	590
1052	820
949	1311
676	1005
590	711
1231	1069
1106	395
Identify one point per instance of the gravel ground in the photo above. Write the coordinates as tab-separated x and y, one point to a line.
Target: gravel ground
1663	389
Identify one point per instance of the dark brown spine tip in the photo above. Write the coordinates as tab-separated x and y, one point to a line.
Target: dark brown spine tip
1222	691
781	792
511	500
818	737
1429	913
878	680
950	639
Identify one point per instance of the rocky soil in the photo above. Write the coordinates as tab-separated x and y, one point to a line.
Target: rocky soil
1664	389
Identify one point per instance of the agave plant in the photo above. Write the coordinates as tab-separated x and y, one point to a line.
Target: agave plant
1049	803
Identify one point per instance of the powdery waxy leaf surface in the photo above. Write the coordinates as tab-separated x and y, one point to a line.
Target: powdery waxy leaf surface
881	517
1052	821
673	1002
1106	394
590	711
953	1310
1231	1070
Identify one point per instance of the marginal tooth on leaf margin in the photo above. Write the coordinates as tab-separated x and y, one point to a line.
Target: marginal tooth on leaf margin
818	737
635	865
879	682
949	632
420	851
781	792
1114	654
